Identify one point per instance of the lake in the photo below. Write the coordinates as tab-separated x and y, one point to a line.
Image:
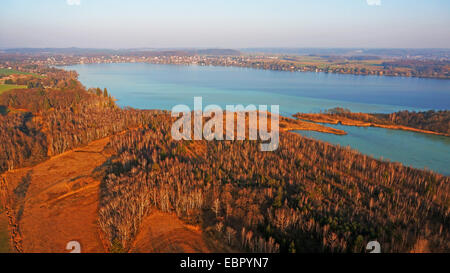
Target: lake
153	86
412	149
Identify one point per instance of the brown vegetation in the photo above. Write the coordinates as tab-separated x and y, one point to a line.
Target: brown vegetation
56	201
54	121
313	195
165	233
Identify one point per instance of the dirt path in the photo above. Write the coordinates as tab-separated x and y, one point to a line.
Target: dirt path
56	201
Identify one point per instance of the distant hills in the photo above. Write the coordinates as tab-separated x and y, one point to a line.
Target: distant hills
140	51
427	53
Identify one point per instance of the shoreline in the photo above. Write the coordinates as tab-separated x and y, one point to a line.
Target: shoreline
250	67
320	118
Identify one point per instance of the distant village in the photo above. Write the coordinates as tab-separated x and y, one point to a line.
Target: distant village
327	64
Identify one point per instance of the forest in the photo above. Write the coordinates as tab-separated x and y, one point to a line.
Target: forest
40	122
307	196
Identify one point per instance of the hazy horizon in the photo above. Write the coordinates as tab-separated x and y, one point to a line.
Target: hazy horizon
234	24
207	47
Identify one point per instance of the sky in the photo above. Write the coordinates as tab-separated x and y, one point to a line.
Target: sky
225	23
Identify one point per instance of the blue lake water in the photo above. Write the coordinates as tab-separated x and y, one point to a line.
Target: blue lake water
151	86
412	149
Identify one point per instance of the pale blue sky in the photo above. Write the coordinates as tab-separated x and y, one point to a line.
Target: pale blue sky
225	23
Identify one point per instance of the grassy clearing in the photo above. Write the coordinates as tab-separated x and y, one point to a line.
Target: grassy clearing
6	72
6	87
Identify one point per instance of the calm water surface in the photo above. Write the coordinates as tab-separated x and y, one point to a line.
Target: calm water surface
412	149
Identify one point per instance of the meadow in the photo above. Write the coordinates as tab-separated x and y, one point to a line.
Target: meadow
7	72
6	87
